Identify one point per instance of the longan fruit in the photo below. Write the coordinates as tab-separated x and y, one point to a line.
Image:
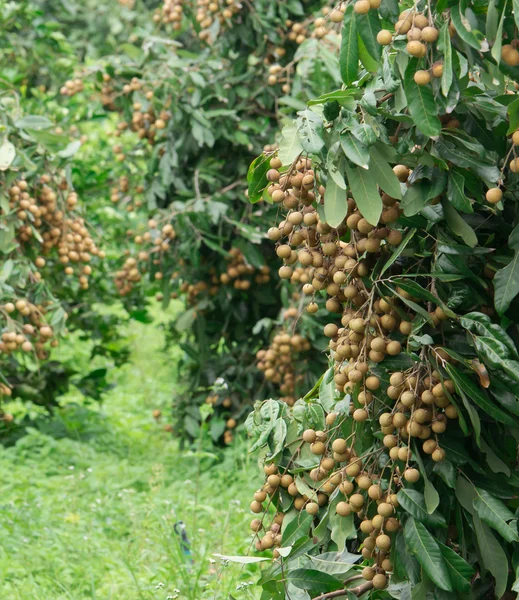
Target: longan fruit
312	508
362	7
318	448
438	455
412	475
336	16
422	77
429	34
340	446
346	487
515	138
416	48
309	436
494	195
372	382
379	581
437	70
384	37
383	542
343	509
256	507
510	55
394	348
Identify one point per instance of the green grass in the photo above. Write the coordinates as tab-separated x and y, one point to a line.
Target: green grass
89	499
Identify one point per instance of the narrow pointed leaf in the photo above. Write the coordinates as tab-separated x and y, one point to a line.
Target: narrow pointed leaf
384	175
506	285
495	514
365	192
460	572
349	55
368	26
413	502
465	385
458	226
422	545
492	554
421	103
335	204
356	151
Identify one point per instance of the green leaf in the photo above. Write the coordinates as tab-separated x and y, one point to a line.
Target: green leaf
460	572
34	122
506	284
365	192
297	528
456	193
495	354
446	48
290	145
480	323
498	44
398	251
335	163
368	26
257	177
425	549
310	130
463	27
356	151
335	204
342	528
515	6
495	514
383	174
421	105
478	396
458	226
70	149
414	199
413	502
349	55
431	496
493	556
327	391
7	154
314	580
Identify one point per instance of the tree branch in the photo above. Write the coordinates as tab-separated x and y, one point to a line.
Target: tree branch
358	591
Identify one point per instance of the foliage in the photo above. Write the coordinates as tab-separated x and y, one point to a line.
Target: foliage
395	476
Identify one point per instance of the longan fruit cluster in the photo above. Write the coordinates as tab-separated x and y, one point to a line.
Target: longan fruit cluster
419	31
334	265
281	361
120	194
25	328
45	211
170	12
237	268
108	93
209	11
72	87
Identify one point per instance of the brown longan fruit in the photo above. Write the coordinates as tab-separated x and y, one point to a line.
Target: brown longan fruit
494	195
429	34
438	455
416	48
394	348
412	475
312	508
346	487
510	55
372	382
318	448
256	507
385	509
514	165
383	542
343	509
379	581
362	7
330	330
422	77
384	37
309	436
515	138
437	70
340	446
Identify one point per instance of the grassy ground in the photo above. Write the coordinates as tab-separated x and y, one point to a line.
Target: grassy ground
89	501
